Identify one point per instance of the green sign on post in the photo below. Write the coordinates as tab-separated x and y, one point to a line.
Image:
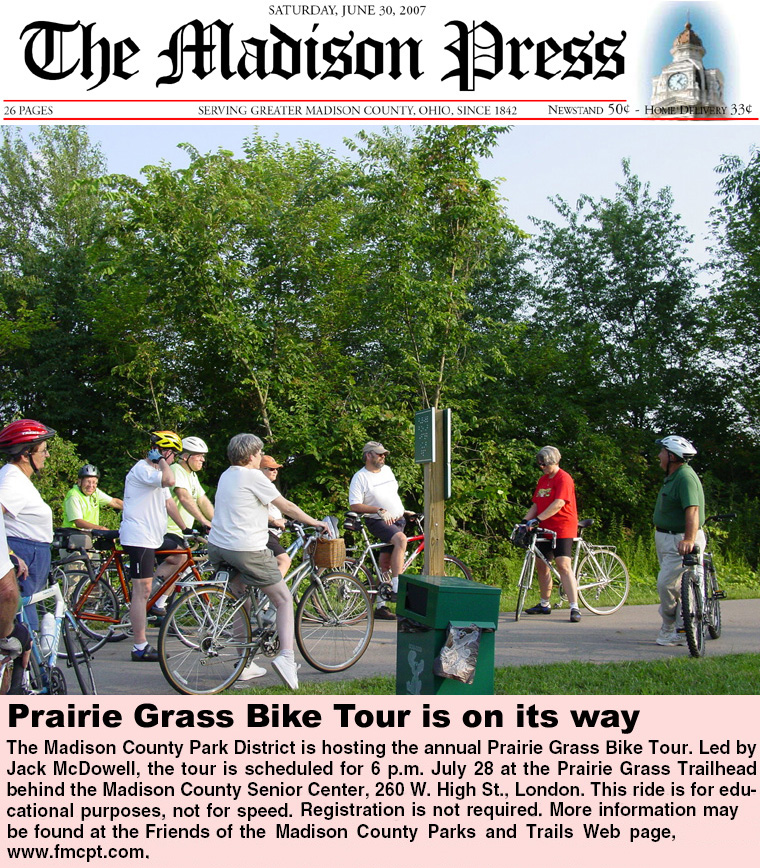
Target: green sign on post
424	436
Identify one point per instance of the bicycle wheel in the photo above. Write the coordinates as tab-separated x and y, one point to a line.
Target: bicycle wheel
451	567
523	586
334	622
603	581
203	641
6	675
95	607
66	576
79	656
692	605
454	567
355	568
713	618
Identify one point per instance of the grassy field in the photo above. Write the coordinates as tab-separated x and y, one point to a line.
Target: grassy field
730	674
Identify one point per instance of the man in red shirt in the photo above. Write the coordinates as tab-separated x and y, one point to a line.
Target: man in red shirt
554	509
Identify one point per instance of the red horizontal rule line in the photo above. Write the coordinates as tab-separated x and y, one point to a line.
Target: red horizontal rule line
288	101
501	118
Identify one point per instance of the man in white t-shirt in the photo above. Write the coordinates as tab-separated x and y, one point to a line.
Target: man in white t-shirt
147	500
239	536
374	492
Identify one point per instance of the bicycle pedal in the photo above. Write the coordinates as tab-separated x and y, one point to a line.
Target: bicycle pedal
719	595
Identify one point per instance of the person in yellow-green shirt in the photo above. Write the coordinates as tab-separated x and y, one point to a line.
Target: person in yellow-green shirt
81	506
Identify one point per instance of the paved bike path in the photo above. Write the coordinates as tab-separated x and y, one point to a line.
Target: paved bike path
628	634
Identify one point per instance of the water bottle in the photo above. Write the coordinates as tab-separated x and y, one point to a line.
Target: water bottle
47	630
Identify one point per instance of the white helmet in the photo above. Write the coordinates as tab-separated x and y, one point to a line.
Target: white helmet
679	446
194	445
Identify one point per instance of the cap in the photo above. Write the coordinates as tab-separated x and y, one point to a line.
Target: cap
374	446
268	463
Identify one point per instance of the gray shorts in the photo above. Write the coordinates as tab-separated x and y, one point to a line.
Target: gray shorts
255	568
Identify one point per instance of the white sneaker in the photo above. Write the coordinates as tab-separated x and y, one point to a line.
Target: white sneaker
287	670
670	637
252	670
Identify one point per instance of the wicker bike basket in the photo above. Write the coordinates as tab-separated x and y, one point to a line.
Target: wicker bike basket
329	554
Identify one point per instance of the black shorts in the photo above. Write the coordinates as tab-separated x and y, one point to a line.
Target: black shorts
275	546
142	561
563	548
385	532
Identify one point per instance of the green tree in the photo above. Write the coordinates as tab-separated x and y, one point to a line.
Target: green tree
428	225
52	211
736	262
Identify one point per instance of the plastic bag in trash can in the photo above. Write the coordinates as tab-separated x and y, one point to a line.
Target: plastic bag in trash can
459	655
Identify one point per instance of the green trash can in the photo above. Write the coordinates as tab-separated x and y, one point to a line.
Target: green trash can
426	606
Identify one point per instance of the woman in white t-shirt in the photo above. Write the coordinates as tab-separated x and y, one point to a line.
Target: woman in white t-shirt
28	519
147	500
239	536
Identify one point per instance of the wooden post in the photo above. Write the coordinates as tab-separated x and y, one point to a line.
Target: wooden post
434	500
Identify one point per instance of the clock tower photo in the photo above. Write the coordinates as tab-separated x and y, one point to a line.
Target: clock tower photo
684	86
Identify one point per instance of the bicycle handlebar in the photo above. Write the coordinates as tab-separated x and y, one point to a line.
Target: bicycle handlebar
726	517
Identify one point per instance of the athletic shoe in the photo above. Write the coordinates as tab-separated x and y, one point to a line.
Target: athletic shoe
287	670
252	670
538	609
575	615
147	655
157	612
10	646
670	637
384	614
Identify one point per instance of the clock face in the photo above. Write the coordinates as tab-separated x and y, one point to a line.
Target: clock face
678	81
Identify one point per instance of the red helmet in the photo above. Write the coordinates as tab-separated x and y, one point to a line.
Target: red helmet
22	434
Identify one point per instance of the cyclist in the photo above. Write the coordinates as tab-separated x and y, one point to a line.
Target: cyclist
374	492
192	503
239	538
81	506
269	467
678	518
147	500
28	520
554	509
188	493
15	641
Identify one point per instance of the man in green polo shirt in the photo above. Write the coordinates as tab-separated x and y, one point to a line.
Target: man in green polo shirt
81	506
678	518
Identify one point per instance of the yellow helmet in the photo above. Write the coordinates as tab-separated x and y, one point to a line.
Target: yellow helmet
165	440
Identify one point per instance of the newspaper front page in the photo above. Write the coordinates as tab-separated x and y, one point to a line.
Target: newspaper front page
146	775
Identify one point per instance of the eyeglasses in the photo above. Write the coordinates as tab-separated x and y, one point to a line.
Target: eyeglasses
542	463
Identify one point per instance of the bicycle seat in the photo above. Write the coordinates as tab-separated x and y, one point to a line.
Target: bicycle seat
351	521
105	534
584	523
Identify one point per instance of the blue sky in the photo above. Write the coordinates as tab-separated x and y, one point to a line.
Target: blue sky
536	161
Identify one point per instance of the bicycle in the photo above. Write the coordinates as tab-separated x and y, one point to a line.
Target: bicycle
371	574
210	632
700	594
601	576
98	607
7	661
43	674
